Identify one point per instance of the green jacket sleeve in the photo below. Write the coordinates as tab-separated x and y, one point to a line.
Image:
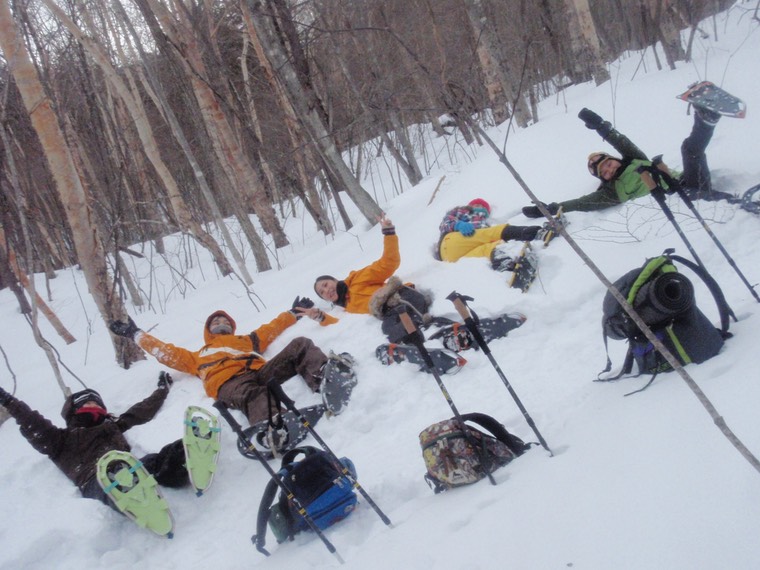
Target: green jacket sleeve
624	146
603	197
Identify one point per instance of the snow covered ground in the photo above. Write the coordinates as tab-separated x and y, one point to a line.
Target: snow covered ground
639	482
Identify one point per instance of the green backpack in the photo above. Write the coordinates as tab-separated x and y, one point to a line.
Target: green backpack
664	298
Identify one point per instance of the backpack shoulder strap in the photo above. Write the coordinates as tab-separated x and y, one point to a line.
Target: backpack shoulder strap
259	539
714	288
491	424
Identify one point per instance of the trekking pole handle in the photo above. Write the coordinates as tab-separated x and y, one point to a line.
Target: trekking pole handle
406	320
280	394
461	307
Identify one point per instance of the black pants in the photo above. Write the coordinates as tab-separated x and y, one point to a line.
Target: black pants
167	466
696	175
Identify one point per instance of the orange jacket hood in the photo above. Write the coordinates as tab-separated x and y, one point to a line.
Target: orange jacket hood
208	336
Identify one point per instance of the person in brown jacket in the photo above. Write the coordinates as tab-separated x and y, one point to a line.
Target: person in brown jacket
91	432
232	367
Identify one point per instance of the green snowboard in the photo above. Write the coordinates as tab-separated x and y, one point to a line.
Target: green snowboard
135	492
201	443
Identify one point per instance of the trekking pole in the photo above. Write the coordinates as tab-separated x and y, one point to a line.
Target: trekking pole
673	183
416	338
281	397
658	193
460	304
224	411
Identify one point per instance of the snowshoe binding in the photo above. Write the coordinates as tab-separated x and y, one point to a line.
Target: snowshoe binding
458	337
338	380
273	440
445	361
525	269
134	492
202	445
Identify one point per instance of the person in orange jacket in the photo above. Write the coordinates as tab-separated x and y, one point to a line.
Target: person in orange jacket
355	291
232	367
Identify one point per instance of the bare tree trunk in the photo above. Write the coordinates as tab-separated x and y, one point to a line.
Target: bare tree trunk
225	144
145	131
502	89
586	61
261	25
86	240
299	152
153	88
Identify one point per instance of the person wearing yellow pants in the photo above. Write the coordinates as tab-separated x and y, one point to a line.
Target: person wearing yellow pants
466	232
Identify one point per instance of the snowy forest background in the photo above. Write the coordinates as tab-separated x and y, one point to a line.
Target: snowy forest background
645	481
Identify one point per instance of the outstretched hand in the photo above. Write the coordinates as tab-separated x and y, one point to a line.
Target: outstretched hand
165	380
127	330
386	224
595	122
300	305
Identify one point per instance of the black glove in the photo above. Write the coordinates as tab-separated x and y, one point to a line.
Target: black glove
120	328
5	397
534	212
303	303
595	122
165	380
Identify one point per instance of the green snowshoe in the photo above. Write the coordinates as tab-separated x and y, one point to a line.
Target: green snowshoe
135	492
201	441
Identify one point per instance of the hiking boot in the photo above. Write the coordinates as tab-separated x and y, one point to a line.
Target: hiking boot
707	116
459	339
274	439
550	229
501	260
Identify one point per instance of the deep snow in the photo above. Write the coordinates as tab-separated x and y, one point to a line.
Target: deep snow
638	482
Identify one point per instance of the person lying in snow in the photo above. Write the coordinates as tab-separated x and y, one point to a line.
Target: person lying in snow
91	432
620	180
232	367
466	232
375	290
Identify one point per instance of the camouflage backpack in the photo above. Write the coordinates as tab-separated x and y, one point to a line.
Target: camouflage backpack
451	458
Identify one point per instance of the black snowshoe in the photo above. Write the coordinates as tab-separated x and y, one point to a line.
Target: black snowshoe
338	380
445	361
457	336
707	95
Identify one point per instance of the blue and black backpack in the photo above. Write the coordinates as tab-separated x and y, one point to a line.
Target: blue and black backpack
319	486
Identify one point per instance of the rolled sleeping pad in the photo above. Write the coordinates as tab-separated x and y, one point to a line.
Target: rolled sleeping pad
664	297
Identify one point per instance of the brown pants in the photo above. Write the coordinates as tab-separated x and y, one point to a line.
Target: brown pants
248	392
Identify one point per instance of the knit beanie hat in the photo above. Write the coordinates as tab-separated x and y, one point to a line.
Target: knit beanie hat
480	203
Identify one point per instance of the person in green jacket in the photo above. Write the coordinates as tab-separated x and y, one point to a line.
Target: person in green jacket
620	180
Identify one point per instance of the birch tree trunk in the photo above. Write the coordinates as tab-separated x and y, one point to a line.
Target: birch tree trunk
145	132
304	102
153	87
84	233
586	61
502	83
226	145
